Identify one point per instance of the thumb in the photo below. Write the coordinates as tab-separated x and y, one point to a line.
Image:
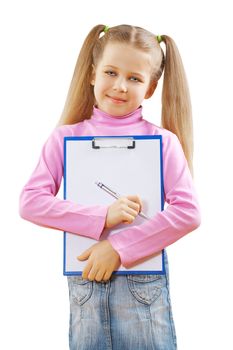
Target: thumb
85	255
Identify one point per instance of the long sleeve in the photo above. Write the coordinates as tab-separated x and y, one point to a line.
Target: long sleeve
38	201
181	216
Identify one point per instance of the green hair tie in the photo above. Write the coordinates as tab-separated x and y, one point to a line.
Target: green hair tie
106	28
159	38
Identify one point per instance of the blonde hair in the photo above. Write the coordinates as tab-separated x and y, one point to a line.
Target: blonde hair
176	105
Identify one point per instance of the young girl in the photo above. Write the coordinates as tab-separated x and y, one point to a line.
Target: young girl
116	70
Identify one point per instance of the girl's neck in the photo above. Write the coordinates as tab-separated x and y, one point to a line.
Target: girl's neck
102	117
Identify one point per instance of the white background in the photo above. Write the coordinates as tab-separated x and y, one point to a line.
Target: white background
40	41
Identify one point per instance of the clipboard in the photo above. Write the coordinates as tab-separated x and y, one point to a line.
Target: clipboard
128	165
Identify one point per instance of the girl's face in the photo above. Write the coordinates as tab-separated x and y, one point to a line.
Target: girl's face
121	79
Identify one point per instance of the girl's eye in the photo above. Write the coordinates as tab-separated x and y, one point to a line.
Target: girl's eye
134	79
110	72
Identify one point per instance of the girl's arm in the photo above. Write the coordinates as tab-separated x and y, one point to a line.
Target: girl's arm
39	205
180	217
38	202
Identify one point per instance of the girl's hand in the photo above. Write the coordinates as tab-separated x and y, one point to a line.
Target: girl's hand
124	210
102	261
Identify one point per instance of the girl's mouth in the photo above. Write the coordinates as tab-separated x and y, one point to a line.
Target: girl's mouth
117	100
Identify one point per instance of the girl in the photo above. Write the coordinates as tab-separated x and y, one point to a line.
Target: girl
117	69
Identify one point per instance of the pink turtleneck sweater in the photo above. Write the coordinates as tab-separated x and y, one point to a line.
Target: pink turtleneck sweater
39	204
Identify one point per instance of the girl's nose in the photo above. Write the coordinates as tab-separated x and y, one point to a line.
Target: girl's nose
120	85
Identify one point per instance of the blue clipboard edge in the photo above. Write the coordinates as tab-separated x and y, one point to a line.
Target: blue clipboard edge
136	137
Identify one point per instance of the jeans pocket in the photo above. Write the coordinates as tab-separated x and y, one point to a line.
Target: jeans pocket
80	290
145	288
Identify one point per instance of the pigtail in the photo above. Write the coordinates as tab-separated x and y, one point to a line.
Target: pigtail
80	98
176	104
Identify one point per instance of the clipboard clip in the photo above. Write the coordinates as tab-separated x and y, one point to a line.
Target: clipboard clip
112	142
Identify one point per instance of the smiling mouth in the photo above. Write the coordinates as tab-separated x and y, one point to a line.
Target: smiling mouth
116	99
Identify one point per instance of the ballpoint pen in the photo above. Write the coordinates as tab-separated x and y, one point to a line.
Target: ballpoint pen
116	195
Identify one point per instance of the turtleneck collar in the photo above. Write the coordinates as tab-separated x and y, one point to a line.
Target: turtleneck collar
101	117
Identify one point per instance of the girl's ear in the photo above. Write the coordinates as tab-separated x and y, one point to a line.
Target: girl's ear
93	75
151	89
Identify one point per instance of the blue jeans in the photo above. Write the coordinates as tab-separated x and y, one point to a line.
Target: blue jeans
128	312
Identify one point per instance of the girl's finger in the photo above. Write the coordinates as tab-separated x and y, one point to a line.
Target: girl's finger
92	273
107	276
128	218
131	211
134	198
134	202
99	276
86	270
85	255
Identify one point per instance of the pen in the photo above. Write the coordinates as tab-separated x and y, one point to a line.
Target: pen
116	195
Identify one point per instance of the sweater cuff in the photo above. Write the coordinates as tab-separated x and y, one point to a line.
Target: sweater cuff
99	223
125	259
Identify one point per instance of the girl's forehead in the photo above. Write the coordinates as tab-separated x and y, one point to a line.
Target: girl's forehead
117	54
